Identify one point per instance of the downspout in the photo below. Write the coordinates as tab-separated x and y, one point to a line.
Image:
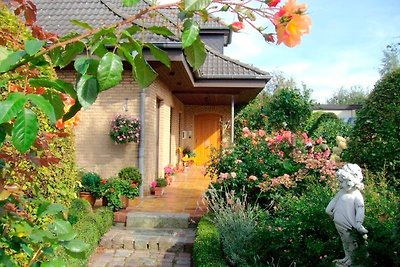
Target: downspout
232	119
142	139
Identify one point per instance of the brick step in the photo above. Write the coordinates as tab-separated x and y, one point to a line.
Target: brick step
156	220
145	239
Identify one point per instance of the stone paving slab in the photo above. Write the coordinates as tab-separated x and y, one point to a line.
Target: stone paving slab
130	258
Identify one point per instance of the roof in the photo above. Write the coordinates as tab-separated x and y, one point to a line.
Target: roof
55	16
336	107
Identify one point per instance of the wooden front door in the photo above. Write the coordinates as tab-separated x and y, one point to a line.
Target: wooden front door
207	134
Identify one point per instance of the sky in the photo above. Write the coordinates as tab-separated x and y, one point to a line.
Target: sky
343	49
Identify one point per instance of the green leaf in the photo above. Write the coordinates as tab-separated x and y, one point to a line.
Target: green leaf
37	235
87	90
76	246
85	65
3	134
130	30
4	194
129	3
72	111
33	46
196	54
55	262
194	5
100	39
54	209
109	72
27	250
59	85
10	60
63	56
57	103
124	53
159	54
10	108
143	72
81	24
190	33
60	227
44	105
25	130
161	30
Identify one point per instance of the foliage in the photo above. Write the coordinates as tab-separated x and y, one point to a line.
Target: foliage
288	109
79	209
299	232
251	115
161	182
115	188
48	169
207	250
91	182
90	225
131	174
28	240
125	129
382	222
375	139
232	214
328	126
349	96
391	59
267	165
277	82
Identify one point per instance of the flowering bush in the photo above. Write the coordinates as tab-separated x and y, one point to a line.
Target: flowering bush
125	129
169	170
267	165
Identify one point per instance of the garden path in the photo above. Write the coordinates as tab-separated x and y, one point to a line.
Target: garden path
184	195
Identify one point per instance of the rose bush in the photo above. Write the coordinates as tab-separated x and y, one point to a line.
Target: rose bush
267	165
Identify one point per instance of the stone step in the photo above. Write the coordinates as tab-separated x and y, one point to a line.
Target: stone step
145	239
156	220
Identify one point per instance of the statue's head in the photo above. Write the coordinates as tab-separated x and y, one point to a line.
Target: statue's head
350	176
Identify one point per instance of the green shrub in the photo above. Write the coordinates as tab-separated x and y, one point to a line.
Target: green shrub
237	223
104	219
90	226
328	126
78	210
91	182
382	222
375	139
300	232
207	250
288	109
131	174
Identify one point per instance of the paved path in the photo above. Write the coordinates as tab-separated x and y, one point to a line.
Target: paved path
183	195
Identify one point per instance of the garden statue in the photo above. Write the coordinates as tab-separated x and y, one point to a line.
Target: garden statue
347	209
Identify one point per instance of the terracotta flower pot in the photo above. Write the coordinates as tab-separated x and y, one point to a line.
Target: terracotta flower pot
88	196
158	191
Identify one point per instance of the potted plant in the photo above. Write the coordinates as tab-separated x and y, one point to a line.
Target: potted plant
131	174
118	192
125	129
158	186
169	172
90	186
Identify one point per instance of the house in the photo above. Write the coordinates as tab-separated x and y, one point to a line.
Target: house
182	108
347	113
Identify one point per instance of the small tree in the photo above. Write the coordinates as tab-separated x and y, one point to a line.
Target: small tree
375	139
288	109
391	59
349	96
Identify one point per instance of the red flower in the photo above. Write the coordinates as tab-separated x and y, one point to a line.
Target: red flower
237	26
103	181
273	3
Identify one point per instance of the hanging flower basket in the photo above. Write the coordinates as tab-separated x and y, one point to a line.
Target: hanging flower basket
125	129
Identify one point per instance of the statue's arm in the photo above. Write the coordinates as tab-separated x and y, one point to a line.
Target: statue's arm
360	214
331	205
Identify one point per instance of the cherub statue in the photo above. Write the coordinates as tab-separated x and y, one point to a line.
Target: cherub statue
347	209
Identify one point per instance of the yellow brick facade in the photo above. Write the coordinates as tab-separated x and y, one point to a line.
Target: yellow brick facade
165	119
